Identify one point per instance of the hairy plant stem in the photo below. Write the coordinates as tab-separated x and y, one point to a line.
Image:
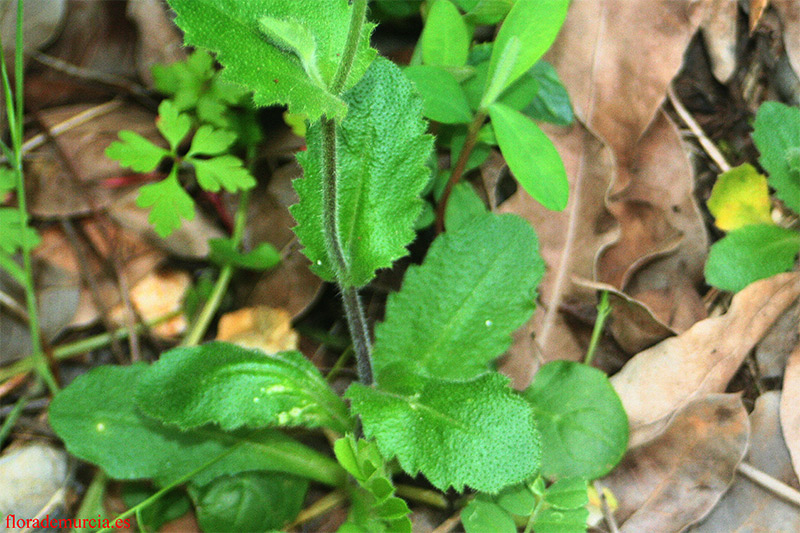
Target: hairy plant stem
460	166
354	311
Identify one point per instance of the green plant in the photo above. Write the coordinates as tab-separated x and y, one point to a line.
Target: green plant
755	247
429	399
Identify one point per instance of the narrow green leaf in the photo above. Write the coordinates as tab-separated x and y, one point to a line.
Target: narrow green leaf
488	11
445	38
382	153
172	124
12	235
502	71
535	23
235	387
481	517
478	433
234	30
211	141
749	254
136	152
98	421
776	135
169	202
442	97
551	101
224	171
223	252
531	156
249	501
584	426
480	282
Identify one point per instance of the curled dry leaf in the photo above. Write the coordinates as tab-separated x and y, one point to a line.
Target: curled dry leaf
720	35
772	352
748	507
659	381
790	414
264	328
676	479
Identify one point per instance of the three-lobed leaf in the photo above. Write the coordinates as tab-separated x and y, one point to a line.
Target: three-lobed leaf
136	152
256	56
98	420
583	424
478	284
208	140
531	156
172	124
234	387
751	253
478	433
225	171
777	137
740	197
382	150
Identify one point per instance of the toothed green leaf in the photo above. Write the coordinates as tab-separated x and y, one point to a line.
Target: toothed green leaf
172	124
210	141
136	152
382	150
480	284
225	171
477	433
235	387
12	236
259	60
169	203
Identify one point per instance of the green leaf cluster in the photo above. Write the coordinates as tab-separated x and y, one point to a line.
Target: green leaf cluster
214	169
438	407
299	42
377	507
755	248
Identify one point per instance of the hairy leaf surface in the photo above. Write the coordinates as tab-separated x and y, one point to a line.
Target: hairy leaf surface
232	386
98	421
478	433
478	284
250	38
382	149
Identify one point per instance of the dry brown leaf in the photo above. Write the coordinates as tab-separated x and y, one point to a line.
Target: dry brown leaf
264	328
748	507
159	39
757	8
659	381
54	190
790	413
677	478
720	35
774	349
789	11
158	294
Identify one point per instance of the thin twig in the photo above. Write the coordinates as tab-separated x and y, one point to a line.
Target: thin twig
608	514
709	147
448	525
777	487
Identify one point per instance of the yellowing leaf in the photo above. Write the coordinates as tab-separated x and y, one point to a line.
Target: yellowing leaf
740	198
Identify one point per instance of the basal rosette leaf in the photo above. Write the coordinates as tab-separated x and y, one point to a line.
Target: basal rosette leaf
478	433
259	57
382	149
234	387
97	418
478	284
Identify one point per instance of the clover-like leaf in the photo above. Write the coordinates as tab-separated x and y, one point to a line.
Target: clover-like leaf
97	419
382	150
480	282
584	426
751	253
740	197
234	387
777	137
208	140
478	433
169	203
235	30
224	171
172	124
136	152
